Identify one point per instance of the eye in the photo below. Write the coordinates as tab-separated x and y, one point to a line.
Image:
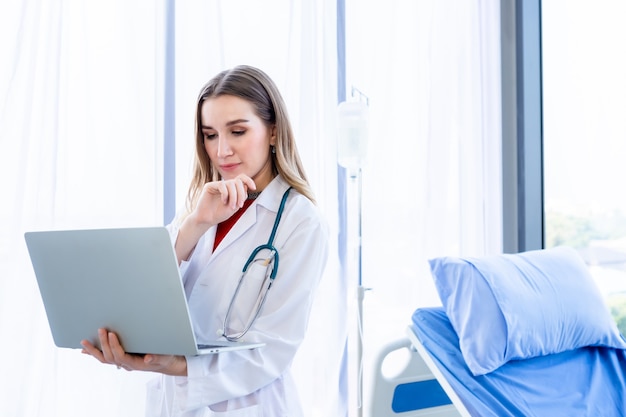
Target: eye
238	132
209	136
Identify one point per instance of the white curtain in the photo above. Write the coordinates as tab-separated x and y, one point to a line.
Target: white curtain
431	181
79	148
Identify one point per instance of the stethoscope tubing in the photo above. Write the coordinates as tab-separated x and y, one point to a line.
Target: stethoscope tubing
272	259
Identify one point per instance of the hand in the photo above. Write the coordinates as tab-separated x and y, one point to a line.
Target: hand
113	353
221	199
218	201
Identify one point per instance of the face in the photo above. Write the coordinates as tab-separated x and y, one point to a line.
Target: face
236	140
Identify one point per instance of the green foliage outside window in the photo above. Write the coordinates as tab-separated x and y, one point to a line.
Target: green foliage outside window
578	232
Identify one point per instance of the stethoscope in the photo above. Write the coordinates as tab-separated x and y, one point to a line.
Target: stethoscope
270	263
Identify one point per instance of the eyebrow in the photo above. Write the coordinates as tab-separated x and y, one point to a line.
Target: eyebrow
232	122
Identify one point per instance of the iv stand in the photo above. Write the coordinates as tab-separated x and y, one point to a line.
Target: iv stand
357	177
355	132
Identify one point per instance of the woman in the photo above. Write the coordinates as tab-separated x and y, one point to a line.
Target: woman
246	162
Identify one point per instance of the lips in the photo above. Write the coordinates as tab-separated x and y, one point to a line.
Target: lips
228	167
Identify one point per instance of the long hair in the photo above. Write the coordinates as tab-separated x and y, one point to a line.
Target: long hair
254	86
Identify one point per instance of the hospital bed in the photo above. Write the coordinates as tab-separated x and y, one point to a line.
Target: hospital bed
517	335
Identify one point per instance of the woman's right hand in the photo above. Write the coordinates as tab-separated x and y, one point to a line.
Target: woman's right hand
218	201
221	199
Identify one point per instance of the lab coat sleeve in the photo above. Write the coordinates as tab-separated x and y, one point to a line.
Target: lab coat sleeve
173	229
281	325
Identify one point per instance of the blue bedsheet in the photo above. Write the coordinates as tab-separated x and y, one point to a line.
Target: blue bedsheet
588	382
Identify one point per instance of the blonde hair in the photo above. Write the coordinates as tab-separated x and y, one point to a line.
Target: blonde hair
254	86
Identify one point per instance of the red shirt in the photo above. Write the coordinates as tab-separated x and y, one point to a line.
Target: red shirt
226	225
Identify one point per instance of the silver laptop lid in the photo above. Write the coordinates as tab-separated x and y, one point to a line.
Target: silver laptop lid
126	280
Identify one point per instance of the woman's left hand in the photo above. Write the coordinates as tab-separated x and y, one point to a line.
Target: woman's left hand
113	353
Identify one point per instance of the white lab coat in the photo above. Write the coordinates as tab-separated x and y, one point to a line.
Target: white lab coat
248	383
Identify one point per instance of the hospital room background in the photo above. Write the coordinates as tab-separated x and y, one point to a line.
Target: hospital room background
489	126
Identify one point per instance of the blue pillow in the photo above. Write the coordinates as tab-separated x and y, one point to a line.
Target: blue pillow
518	306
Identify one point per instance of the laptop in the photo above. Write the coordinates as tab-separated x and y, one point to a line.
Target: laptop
126	280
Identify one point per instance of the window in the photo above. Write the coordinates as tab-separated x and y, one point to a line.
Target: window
584	102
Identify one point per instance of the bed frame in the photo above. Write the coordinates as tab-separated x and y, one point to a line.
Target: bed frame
417	391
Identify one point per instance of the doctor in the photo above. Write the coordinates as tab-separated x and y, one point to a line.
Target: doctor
246	164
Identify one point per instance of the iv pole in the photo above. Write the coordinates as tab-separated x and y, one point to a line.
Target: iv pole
352	147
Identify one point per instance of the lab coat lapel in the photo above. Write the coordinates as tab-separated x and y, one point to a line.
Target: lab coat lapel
245	222
268	200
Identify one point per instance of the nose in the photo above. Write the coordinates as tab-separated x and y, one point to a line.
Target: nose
223	149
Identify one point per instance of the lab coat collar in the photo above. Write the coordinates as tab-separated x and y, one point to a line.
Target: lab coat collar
268	199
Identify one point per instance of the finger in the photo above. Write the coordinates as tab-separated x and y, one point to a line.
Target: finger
119	355
248	182
154	362
239	194
90	349
167	364
223	188
212	188
242	193
231	196
105	347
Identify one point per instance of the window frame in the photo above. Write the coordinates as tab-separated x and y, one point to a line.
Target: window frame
522	127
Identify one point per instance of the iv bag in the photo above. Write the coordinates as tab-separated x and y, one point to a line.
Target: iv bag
352	126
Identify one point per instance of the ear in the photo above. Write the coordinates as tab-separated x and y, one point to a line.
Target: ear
273	135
